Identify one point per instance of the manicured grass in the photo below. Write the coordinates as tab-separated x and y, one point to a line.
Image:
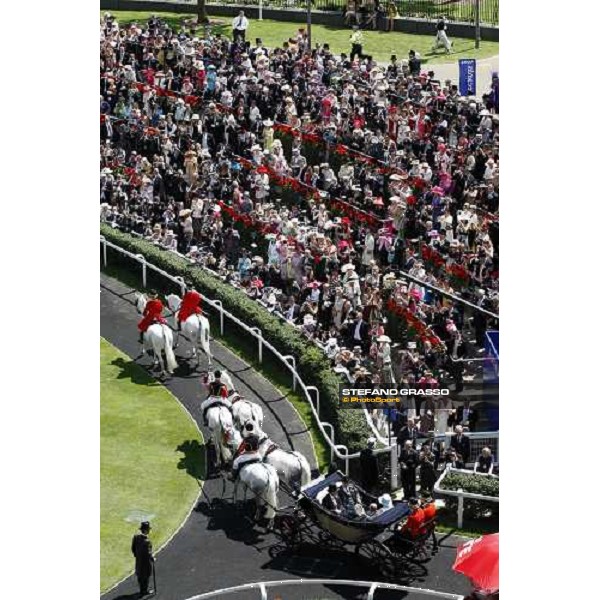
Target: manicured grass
377	43
151	458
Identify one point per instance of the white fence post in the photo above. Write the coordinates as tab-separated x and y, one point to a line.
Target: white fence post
312	388
371	593
103	240
181	284
394	464
260	342
332	436
142	260
461	508
219	305
263	591
292	360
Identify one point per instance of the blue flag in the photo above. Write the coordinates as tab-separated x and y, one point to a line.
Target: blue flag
467	77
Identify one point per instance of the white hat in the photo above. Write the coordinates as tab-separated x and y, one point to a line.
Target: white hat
385	501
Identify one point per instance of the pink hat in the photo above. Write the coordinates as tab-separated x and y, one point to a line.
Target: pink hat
437	190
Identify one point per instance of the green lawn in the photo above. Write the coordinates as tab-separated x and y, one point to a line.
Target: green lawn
380	44
151	458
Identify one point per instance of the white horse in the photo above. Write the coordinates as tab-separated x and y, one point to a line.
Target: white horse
245	411
261	479
291	466
160	338
195	327
224	435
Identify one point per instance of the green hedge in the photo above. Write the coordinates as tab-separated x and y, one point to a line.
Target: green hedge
474	484
312	364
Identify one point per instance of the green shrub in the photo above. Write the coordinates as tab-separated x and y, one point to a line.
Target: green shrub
473	484
312	364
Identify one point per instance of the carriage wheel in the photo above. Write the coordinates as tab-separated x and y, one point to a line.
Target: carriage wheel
421	551
288	528
379	555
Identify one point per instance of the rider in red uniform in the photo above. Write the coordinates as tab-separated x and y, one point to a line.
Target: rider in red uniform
152	314
190	305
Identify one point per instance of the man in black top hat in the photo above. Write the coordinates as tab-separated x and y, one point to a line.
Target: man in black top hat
141	548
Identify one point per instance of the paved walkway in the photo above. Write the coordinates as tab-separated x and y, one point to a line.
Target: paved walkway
220	547
485	68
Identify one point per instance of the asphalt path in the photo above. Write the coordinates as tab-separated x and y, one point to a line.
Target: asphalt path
219	546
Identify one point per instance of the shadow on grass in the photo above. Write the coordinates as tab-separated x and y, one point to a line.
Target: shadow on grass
193	460
130	370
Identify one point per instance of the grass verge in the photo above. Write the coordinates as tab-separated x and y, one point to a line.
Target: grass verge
151	458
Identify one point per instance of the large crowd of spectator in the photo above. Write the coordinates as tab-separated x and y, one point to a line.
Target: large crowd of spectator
355	200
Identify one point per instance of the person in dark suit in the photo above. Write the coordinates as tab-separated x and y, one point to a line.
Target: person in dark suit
408	469
332	500
358	331
461	443
408	432
141	548
369	469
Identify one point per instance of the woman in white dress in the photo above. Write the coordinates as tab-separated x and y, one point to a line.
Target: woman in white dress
367	255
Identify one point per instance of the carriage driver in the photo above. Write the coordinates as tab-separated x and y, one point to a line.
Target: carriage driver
191	304
152	314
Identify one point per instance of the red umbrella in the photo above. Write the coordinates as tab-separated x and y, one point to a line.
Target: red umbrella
478	560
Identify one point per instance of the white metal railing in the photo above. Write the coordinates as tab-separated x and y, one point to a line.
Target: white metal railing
339	451
460	494
262	588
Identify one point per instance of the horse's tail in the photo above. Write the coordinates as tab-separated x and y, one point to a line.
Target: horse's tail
171	362
205	335
257	414
305	475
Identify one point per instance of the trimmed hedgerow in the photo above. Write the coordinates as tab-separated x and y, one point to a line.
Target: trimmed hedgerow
312	364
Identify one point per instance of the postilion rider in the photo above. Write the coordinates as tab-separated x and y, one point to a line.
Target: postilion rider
218	394
191	304
412	527
152	314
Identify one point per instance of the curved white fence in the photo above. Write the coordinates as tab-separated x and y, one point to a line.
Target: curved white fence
263	588
339	451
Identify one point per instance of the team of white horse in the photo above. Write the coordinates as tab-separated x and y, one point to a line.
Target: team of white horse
234	419
231	420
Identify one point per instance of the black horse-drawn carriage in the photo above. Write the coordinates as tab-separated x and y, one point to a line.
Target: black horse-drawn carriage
373	538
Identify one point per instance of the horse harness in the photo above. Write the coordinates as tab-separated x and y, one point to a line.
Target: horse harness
216	403
270	449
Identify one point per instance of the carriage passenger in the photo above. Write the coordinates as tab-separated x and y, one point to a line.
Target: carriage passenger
332	500
350	498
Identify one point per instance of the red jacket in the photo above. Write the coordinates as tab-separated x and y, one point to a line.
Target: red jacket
152	312
413	524
190	305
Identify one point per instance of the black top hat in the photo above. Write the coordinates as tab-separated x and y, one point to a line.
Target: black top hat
145	526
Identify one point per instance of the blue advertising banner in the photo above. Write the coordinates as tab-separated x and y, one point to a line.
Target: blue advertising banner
467	77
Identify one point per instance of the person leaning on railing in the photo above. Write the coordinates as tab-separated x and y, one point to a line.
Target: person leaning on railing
485	462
